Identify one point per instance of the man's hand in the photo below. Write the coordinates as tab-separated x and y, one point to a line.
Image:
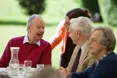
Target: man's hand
64	71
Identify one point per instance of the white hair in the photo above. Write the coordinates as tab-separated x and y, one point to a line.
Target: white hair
107	37
83	24
31	18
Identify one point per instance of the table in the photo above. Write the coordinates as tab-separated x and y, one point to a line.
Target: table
4	73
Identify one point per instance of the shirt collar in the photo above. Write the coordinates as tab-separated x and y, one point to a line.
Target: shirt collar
98	60
84	46
26	40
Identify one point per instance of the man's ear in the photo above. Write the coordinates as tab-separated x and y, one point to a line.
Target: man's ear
28	27
78	33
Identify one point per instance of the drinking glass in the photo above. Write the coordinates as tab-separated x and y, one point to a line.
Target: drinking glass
28	68
27	64
21	71
40	66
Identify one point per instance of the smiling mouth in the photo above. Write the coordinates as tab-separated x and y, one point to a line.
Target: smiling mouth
40	34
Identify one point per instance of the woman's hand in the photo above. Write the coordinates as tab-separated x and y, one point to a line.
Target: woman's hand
67	22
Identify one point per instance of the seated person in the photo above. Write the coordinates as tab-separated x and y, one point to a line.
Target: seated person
32	46
80	31
61	35
102	44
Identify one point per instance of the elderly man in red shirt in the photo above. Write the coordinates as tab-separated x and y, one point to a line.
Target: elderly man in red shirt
32	46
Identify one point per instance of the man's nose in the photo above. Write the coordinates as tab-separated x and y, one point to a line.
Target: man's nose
41	29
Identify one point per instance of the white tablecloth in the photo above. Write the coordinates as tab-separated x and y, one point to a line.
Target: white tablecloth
2	70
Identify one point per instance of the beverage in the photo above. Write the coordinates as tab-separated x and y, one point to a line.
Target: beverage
28	64
21	71
14	62
13	70
40	66
28	68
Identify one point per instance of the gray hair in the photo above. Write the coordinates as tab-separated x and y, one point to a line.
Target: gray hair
48	72
83	24
31	19
107	37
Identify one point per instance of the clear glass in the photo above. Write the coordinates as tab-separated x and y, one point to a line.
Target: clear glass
40	66
28	68
28	64
21	70
14	62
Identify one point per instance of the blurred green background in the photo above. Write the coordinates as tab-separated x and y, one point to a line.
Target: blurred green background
13	21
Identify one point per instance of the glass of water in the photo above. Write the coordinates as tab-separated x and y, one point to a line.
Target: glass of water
40	66
21	71
27	68
27	64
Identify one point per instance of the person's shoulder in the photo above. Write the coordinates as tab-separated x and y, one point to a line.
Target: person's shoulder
17	38
16	41
44	42
61	24
111	57
109	62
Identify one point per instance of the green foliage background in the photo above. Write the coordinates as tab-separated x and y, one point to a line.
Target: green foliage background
13	21
33	6
108	10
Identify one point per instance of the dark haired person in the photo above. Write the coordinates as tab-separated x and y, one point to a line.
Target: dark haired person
62	33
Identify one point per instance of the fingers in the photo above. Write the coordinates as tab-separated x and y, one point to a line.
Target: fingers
67	22
61	69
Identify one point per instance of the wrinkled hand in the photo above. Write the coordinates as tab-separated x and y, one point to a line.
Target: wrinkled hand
64	71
